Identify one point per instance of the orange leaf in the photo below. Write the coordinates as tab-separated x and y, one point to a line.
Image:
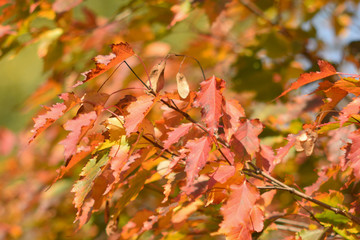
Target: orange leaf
326	70
353	153
176	134
196	160
248	133
78	127
137	112
120	52
53	113
237	210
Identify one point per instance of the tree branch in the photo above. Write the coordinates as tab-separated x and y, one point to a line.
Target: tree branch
278	185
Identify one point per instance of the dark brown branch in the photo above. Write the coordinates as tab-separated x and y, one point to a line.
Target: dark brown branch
282	186
158	145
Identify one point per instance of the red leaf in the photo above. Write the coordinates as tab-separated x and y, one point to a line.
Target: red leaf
232	111
326	70
176	134
248	133
137	112
237	210
53	113
196	160
351	109
324	175
265	158
78	127
119	157
210	99
353	154
120	52
223	173
283	151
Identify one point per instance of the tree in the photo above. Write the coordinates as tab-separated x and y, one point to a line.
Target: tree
169	156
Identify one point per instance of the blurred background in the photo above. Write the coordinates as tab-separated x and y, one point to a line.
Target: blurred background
258	47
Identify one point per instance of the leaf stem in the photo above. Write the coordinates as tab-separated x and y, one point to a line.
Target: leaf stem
183	55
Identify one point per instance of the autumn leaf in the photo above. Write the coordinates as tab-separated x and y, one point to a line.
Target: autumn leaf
232	112
247	133
132	227
305	141
210	99
120	52
119	155
196	160
136	183
157	80
176	134
137	112
326	70
348	86
265	158
78	128
283	151
84	213
182	85
334	95
223	173
237	210
53	113
351	109
353	153
186	211
83	186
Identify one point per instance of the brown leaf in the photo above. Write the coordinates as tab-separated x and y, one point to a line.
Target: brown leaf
157	80
182	85
305	141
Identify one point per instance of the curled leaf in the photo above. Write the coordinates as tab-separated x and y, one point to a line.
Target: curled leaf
120	52
305	141
157	76
182	85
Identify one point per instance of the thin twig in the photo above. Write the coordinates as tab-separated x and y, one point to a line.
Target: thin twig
183	55
107	79
152	91
285	187
158	145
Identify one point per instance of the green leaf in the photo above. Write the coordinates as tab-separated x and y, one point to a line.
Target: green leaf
83	186
328	216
